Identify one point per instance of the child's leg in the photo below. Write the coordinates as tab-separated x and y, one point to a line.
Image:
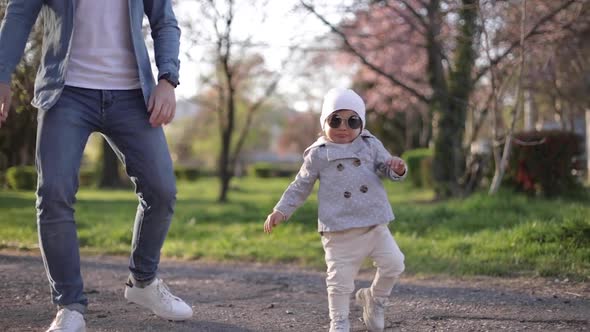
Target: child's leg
344	254
389	261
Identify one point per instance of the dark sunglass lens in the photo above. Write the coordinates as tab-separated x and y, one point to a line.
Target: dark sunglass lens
335	122
354	122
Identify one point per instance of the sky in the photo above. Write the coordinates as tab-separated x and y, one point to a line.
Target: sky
281	26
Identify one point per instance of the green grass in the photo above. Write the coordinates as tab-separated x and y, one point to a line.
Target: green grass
504	235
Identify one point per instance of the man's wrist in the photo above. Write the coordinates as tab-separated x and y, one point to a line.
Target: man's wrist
165	81
169	78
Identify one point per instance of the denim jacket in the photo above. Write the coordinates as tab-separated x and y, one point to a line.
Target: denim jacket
58	18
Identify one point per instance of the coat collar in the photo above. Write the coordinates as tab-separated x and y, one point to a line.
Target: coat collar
334	153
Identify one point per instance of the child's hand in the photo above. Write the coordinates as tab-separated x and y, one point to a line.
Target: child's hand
273	220
397	165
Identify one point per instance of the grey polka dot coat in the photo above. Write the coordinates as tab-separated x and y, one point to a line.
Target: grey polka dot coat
351	193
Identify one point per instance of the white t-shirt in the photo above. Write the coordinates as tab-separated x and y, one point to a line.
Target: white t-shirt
101	55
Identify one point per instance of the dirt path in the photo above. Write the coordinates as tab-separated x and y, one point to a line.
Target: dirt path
286	298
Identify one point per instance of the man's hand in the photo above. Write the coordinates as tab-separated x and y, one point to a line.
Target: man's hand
162	104
5	96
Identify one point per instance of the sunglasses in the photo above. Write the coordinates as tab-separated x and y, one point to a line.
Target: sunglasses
353	122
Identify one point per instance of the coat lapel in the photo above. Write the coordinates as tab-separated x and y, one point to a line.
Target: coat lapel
334	153
352	151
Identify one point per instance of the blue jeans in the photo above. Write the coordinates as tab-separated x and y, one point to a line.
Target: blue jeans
63	130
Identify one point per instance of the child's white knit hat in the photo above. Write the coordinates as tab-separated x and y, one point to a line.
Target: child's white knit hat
342	99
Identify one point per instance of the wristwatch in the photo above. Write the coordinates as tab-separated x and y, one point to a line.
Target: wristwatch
172	80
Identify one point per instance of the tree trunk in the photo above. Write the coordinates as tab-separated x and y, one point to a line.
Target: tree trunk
225	171
109	174
501	167
588	144
450	100
530	112
426	131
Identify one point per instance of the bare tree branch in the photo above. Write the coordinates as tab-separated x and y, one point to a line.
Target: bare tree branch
392	78
415	13
518	106
515	44
249	118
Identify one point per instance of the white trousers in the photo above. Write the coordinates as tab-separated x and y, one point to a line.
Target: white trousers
345	252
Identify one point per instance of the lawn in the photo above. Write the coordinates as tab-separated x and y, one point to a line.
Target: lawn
505	235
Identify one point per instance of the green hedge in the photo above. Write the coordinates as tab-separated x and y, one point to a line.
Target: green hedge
3	166
269	170
186	173
25	178
419	171
22	177
87	178
426	179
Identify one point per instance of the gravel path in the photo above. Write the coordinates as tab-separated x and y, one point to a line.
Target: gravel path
251	297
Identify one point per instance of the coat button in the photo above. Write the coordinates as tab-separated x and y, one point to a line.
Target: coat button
347	194
356	162
340	167
364	189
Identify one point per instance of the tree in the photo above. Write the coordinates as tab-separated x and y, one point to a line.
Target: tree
501	160
443	38
109	175
448	86
300	131
18	135
195	139
548	83
239	80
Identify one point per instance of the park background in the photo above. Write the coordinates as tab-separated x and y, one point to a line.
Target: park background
487	101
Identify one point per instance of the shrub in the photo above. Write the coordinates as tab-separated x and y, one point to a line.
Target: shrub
262	170
22	177
87	178
413	159
186	173
542	162
3	166
426	178
25	178
268	170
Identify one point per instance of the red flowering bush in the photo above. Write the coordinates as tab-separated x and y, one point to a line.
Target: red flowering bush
542	162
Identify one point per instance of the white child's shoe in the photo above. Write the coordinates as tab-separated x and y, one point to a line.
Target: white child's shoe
157	297
373	310
68	320
340	325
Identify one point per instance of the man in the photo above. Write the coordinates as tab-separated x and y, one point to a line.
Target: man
95	76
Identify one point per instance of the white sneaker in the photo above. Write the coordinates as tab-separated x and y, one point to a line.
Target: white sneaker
373	310
157	297
340	325
68	320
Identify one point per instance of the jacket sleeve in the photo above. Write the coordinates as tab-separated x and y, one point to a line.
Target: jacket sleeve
18	20
382	156
166	36
298	191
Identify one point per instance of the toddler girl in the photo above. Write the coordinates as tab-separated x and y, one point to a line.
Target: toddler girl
354	210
